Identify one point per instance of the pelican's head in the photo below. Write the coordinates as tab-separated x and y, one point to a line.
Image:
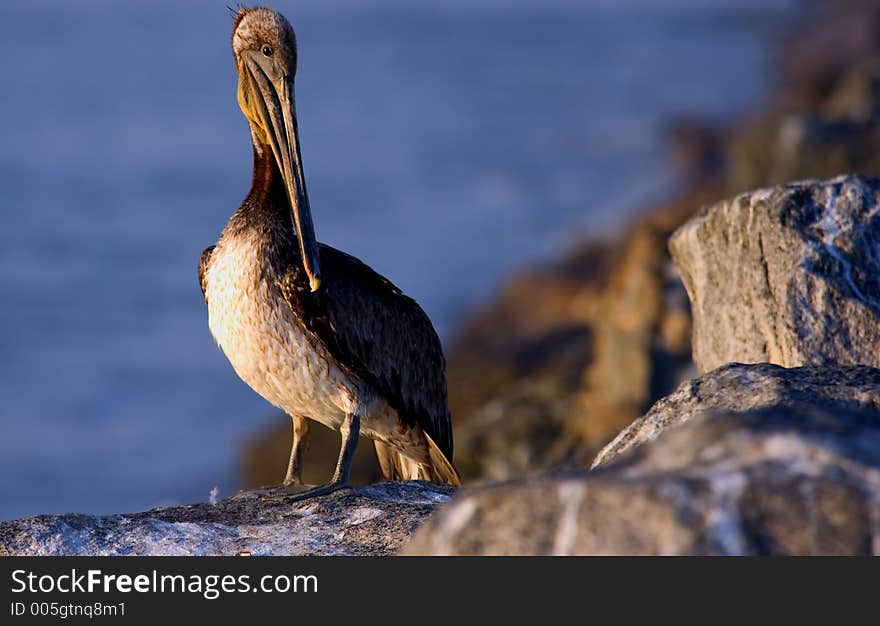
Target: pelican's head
264	47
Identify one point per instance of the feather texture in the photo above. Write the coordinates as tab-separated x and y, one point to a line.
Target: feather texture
380	335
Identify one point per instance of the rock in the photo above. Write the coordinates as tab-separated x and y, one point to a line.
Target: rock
837	35
788	275
797	472
641	327
696	149
856	96
372	520
515	368
823	117
826	118
534	378
803	145
738	388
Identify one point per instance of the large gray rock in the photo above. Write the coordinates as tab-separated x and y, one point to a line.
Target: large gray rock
372	520
788	275
760	461
739	388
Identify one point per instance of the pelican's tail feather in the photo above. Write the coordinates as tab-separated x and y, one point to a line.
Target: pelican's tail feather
394	465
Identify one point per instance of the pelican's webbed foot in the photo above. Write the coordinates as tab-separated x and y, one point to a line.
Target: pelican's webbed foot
313	492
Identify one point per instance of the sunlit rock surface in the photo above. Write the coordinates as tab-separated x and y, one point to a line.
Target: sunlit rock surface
788	275
750	460
372	520
739	388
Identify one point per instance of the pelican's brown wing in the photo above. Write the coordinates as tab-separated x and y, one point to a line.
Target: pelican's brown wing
378	334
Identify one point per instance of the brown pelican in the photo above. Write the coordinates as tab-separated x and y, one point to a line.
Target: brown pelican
311	329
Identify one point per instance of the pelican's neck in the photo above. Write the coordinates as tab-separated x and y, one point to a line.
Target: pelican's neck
265	214
267	186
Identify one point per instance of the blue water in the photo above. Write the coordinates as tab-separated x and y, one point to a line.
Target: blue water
444	144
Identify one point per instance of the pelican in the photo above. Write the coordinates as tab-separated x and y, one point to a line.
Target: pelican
311	329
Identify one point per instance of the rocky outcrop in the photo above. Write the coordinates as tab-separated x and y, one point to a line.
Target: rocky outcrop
738	388
795	471
787	275
374	520
569	354
534	379
641	327
825	116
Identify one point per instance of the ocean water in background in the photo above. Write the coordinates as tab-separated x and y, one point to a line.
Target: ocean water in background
444	144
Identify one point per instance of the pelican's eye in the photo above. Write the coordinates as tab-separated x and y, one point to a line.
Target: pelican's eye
267	50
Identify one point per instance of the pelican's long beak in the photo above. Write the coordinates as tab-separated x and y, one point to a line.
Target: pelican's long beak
278	113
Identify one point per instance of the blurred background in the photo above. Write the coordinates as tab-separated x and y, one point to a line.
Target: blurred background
449	144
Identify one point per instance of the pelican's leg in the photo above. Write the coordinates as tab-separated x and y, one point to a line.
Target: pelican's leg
294	466
350	429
